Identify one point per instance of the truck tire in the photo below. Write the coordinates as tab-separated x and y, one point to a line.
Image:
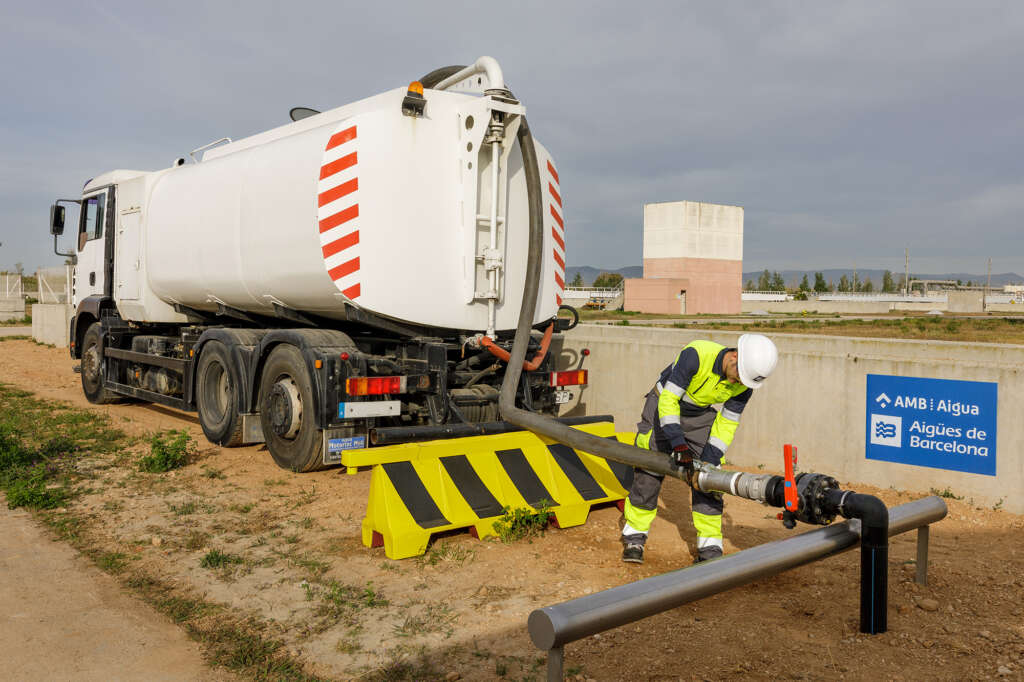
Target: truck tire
92	367
287	411
217	396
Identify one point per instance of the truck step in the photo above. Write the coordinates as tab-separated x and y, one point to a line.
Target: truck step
471	482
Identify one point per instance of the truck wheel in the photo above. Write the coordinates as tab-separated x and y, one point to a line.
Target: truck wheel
92	367
287	413
217	396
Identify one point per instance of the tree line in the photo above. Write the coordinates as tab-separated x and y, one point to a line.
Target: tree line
773	281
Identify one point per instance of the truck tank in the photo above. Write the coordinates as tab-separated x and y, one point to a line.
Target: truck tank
362	205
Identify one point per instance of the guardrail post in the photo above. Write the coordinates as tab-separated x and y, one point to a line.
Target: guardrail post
556	662
922	555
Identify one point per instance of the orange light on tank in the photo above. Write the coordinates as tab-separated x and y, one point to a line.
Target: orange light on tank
318	364
416	87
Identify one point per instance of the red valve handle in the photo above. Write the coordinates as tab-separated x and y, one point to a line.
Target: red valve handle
791	499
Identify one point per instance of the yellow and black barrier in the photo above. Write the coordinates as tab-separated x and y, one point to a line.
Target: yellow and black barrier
469	482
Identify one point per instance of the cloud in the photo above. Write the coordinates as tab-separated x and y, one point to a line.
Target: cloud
847	130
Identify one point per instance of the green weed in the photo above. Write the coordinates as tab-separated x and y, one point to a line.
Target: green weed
112	562
947	493
218	559
184	509
520	523
168	450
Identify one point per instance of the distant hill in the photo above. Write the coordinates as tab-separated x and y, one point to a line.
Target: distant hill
793	277
590	273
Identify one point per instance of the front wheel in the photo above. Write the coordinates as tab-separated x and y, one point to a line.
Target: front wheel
93	372
287	412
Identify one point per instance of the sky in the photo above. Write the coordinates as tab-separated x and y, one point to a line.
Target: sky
847	130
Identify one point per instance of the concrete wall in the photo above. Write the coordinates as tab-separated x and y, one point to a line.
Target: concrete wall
1005	308
660	296
816	400
852	307
966	301
51	323
692	229
12	308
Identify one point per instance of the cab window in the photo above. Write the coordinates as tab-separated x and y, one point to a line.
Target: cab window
93	214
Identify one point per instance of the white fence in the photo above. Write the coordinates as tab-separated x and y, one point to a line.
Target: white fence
54	284
10	286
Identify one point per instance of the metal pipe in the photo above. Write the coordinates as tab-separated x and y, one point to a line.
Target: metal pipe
486	65
492	272
557	625
387	435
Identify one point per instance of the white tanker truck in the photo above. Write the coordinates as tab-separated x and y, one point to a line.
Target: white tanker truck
349	279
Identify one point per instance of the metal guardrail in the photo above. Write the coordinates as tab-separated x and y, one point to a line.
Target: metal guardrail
552	627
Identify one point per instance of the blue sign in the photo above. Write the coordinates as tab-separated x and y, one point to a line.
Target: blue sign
351	443
940	423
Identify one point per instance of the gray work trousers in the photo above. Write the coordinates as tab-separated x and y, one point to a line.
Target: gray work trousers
696	423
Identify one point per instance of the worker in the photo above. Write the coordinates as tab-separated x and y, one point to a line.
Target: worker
678	419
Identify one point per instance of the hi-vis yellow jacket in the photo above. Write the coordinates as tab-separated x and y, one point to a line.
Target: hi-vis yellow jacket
692	384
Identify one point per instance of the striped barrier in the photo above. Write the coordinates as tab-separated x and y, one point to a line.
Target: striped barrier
470	482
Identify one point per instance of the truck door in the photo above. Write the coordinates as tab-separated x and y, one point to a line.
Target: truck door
95	244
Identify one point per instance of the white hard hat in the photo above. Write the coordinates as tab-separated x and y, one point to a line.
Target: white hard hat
756	359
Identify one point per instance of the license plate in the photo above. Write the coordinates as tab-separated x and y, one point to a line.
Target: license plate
333	447
562	397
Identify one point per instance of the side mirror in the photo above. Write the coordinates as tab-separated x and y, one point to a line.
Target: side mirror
56	220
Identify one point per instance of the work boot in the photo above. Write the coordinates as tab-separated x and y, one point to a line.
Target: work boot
633	551
708	553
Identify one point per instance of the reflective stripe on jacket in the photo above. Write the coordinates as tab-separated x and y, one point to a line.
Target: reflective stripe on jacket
695	381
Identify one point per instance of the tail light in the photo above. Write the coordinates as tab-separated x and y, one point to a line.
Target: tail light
375	385
575	377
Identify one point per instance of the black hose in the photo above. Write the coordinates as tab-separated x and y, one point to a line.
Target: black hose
578	440
438	75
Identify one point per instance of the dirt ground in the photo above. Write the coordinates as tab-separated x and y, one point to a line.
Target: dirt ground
65	619
460	612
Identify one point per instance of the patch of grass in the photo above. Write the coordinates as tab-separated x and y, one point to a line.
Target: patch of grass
242	508
338	602
196	540
218	559
947	493
520	523
210	472
406	664
434	618
167	450
271	482
35	478
447	552
228	641
16	337
998	505
185	508
112	562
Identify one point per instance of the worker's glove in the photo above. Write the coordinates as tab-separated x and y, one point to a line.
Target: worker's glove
682	456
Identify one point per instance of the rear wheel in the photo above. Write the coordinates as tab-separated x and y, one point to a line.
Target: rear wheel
93	373
287	412
217	396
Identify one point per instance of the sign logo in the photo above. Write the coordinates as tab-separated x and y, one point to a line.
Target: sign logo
941	423
886	430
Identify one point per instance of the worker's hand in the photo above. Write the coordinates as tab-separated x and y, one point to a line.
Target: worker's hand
682	455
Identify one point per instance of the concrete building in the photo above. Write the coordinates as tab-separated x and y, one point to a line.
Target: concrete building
693	260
